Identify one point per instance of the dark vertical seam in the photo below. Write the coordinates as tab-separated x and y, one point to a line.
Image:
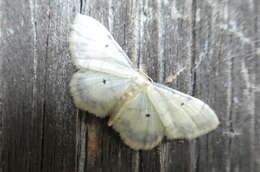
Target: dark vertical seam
139	39
231	130
193	47
42	133
80	6
125	46
164	72
76	140
198	159
44	92
230	102
193	74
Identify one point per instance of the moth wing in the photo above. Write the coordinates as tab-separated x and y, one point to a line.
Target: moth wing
138	123
93	47
97	92
183	116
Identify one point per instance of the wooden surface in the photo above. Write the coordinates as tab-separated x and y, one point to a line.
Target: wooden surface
211	46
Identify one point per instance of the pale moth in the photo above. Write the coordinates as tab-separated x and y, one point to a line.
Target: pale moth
141	111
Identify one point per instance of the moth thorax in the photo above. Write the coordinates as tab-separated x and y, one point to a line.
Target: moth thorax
140	80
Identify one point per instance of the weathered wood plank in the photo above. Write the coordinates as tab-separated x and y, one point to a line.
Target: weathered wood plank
38	125
211	46
22	105
225	77
59	119
213	82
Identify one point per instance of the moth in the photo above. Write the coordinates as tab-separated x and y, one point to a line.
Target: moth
140	110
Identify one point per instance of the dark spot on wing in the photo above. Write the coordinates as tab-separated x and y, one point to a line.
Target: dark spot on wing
104	81
109	36
106	45
147	115
182	104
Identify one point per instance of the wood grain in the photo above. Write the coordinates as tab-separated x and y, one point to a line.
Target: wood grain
212	47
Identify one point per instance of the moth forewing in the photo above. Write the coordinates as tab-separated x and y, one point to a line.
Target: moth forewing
90	39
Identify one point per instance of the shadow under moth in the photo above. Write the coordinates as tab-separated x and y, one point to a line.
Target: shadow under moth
140	110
